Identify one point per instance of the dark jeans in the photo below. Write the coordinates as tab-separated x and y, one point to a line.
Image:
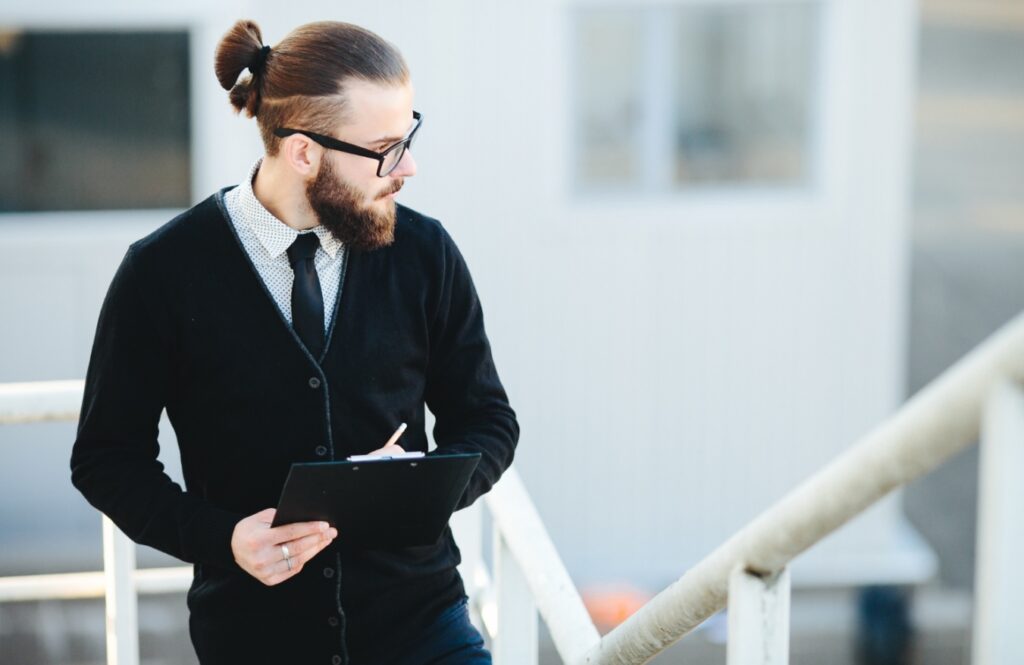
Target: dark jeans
450	640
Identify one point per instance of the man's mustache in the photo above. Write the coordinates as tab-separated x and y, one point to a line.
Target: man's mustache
393	189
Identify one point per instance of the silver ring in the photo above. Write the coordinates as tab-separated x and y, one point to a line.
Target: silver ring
287	556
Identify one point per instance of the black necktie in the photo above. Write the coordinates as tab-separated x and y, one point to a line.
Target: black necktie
307	299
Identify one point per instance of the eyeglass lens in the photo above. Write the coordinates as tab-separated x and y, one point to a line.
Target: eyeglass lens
392	159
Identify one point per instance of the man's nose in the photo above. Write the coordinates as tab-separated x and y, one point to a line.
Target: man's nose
406	166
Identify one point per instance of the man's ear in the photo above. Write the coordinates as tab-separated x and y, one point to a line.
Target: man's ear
301	154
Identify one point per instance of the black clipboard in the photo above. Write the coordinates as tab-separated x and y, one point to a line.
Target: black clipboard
378	503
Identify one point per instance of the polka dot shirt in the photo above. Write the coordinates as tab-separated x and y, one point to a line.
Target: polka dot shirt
266	240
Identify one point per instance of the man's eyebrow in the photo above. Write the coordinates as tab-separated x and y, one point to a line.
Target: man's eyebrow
387	139
391	139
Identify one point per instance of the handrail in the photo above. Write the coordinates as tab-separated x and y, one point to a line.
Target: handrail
40	401
937	422
559	603
514	516
72	586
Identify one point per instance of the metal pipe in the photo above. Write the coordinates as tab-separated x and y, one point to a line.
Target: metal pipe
40	401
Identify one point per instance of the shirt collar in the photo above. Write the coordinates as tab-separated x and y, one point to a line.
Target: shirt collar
275	236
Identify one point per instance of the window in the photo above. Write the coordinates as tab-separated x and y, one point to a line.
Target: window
94	120
674	97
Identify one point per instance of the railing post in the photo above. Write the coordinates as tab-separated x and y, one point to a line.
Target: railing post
999	585
758	618
516	641
122	602
468	528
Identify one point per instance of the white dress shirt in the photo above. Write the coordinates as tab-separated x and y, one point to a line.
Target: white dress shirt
266	239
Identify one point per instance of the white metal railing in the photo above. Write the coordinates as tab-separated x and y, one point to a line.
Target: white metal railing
40	401
998	584
119	582
749	571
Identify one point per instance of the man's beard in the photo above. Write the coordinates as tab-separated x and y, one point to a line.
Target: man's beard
339	208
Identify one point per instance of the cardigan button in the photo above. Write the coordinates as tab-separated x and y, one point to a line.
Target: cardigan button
314	382
321	450
336	660
328	573
332	622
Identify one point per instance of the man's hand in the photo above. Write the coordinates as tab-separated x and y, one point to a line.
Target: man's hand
393	449
260	550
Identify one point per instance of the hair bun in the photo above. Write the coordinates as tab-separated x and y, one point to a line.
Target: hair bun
239	49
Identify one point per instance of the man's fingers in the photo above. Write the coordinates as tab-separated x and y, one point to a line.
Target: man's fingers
266	515
321	540
393	449
257	548
280	571
308	554
286	532
297	547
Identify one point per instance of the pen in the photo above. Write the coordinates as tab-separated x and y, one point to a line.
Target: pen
394	437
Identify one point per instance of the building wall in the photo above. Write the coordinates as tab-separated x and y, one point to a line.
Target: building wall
677	361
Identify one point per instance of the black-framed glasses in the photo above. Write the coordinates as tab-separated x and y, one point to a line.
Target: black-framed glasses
387	161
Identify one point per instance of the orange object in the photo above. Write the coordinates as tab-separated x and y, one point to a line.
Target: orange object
611	604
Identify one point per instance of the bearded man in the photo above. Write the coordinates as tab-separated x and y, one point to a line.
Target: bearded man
297	317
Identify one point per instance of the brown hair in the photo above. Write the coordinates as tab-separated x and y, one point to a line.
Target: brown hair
300	82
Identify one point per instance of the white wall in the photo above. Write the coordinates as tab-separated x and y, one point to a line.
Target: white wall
677	363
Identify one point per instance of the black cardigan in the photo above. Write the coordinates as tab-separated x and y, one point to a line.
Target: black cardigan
188	325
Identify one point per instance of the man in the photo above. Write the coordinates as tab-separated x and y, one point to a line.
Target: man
300	316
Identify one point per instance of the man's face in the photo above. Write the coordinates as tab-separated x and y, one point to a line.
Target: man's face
347	196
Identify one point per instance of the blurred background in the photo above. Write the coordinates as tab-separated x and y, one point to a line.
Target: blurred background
717	241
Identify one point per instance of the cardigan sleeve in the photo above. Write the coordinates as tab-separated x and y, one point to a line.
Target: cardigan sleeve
463	391
114	459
